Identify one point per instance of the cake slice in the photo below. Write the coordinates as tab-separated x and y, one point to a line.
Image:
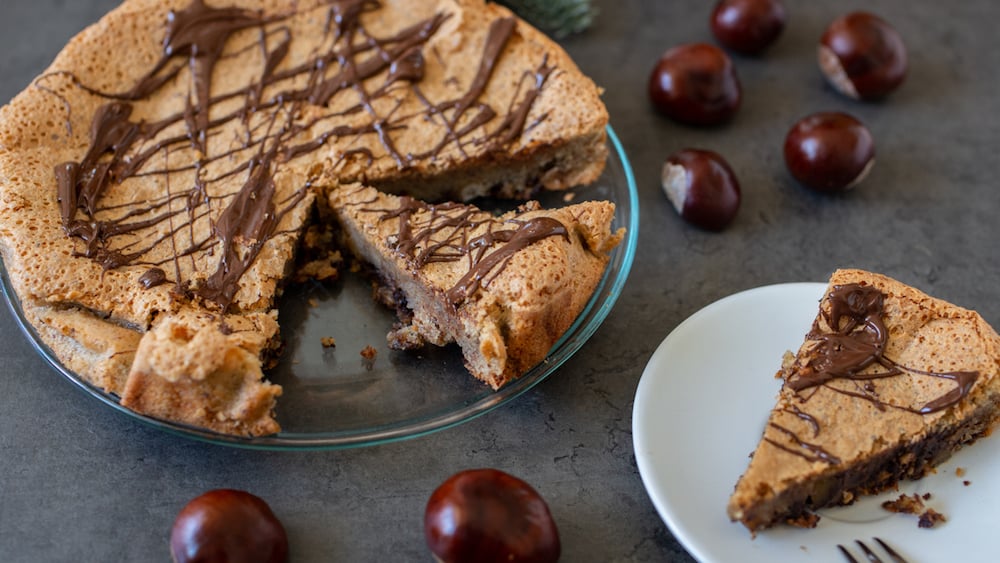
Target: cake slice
887	385
505	288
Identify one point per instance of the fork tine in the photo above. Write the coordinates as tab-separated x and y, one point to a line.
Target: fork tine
897	558
847	554
869	554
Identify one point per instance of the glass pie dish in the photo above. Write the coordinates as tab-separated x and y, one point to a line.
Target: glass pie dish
333	397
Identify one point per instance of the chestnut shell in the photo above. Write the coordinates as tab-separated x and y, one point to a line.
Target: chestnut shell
487	516
748	26
226	525
863	56
695	83
829	151
702	187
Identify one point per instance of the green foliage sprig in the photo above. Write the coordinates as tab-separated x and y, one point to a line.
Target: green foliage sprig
558	17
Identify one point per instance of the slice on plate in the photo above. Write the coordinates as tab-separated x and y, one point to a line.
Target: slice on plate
887	385
505	288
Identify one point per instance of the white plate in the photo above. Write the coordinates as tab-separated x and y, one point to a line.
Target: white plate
701	407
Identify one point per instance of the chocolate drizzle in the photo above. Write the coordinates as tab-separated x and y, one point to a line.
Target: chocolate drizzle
807	450
808	418
199	33
429	233
284	112
855	341
153	277
242	228
851	347
513	240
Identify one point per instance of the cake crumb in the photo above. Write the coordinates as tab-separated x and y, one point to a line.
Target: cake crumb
568	197
966	483
787	365
313	302
317	261
368	357
914	504
959	472
323	269
328	342
931	518
905	504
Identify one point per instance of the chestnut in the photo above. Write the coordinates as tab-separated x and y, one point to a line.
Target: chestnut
228	525
695	83
747	26
829	151
702	187
486	516
862	56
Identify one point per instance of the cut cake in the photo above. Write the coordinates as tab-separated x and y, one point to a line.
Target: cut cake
459	274
887	385
157	179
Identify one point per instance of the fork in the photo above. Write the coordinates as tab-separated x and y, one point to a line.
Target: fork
870	555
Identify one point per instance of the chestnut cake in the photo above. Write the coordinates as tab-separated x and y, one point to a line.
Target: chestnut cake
157	181
442	266
887	385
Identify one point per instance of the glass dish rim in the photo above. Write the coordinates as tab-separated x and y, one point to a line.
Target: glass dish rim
585	325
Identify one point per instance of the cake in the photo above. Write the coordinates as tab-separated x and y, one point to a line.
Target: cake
888	383
157	181
504	288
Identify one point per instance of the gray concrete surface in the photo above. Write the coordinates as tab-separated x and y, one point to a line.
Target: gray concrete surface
80	482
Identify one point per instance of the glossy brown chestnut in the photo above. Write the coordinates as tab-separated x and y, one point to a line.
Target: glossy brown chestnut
829	151
695	83
862	56
702	187
225	525
748	26
487	516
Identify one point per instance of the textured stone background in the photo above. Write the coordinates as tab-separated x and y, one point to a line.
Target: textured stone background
79	482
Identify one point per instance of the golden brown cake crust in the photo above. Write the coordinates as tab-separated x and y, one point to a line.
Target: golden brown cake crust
846	436
161	168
